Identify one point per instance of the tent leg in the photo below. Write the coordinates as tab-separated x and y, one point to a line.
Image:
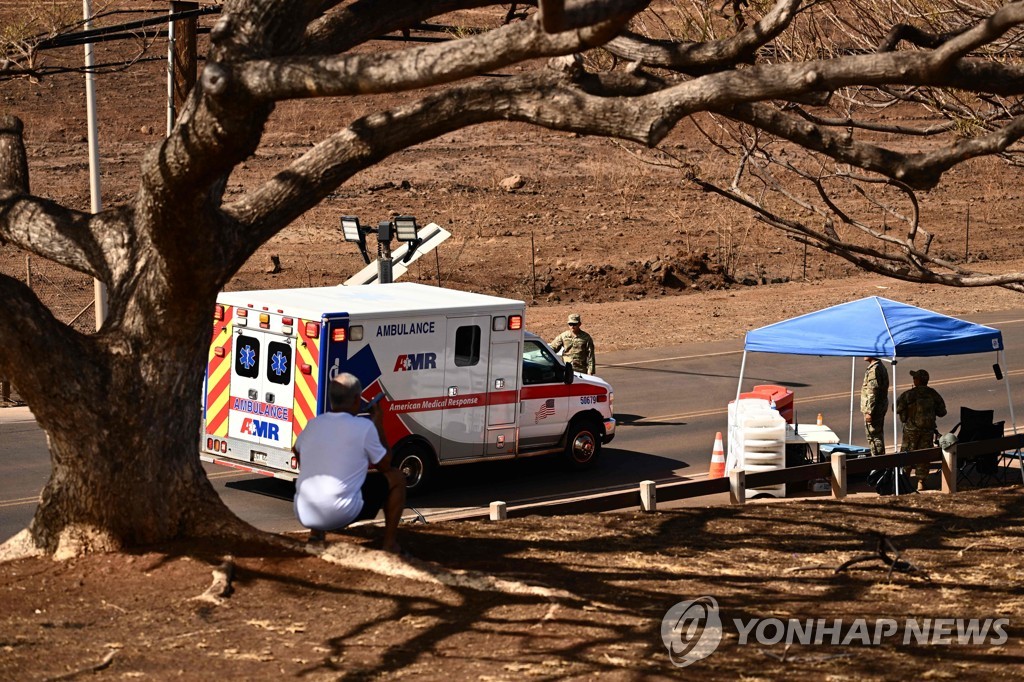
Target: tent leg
1001	358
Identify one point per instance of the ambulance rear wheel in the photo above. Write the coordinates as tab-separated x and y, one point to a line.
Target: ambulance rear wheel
583	443
416	461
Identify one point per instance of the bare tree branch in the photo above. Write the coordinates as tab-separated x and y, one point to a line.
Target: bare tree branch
417	67
702	57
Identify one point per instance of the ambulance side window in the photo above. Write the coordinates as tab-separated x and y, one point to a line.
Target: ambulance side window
467	346
247	357
279	363
538	365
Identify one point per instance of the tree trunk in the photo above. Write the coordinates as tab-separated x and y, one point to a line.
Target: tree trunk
124	447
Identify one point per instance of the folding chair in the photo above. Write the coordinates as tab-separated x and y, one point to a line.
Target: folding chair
977	425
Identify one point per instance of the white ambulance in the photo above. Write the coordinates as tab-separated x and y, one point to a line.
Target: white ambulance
462	381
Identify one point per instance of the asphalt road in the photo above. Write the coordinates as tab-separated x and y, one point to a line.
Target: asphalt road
669	403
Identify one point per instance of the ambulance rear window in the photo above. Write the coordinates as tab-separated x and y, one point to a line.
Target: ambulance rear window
279	363
247	357
467	346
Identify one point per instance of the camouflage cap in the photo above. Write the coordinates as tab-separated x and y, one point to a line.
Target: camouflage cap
573	319
920	373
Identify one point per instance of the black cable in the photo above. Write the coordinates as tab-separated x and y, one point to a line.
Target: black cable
91	35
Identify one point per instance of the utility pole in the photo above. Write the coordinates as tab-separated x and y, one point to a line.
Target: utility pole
181	59
99	289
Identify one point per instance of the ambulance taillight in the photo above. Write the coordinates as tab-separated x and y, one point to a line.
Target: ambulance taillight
338	334
515	322
312	329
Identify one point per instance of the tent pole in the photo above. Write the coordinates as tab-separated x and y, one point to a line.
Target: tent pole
895	443
1001	357
730	462
739	385
853	386
892	382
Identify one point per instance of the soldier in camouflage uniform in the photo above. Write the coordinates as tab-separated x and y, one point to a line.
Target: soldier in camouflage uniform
874	401
578	346
918	409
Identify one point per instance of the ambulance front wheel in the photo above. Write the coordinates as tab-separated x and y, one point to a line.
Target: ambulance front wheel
416	461
583	443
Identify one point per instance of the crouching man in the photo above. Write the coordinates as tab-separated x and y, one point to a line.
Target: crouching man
335	451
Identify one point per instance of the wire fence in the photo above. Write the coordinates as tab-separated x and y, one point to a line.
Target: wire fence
68	295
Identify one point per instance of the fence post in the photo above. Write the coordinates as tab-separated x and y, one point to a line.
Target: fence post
949	470
5	390
838	477
648	496
499	511
738	486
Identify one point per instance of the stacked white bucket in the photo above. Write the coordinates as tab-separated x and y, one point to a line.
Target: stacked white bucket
757	440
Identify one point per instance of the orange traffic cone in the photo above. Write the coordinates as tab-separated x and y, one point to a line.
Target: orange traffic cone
717	469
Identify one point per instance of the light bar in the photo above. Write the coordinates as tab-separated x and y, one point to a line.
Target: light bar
405	228
350	228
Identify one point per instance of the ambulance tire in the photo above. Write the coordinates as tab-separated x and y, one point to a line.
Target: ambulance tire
583	443
417	462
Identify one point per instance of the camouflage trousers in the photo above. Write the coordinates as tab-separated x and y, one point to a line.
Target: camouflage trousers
917	440
875	431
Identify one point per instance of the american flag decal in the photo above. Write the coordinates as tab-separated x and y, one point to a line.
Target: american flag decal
545	411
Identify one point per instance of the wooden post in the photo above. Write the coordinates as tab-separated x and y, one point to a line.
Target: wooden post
184	54
499	511
738	486
949	470
648	496
838	476
533	266
5	390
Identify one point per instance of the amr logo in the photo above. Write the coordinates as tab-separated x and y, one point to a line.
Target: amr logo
413	361
261	429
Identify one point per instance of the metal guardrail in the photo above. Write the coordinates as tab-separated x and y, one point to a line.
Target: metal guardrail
836	470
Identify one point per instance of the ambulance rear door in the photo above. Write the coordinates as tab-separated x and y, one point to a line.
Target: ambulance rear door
262	388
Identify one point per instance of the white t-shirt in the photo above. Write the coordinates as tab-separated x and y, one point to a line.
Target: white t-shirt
335	451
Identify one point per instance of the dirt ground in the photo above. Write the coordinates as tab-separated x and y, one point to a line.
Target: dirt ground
648	261
617	575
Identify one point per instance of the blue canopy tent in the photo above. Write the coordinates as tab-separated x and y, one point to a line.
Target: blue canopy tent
876	327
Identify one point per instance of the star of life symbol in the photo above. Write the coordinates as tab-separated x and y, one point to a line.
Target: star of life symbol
247	357
691	631
279	363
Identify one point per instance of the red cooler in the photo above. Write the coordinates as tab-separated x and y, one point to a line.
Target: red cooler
782	396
